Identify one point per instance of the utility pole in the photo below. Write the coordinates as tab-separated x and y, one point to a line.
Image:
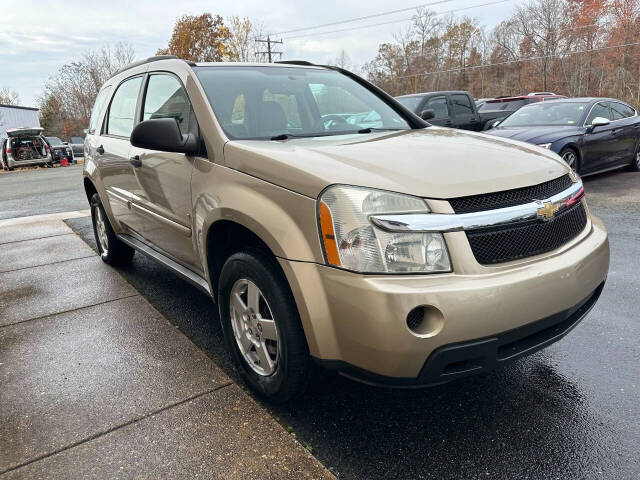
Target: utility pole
269	53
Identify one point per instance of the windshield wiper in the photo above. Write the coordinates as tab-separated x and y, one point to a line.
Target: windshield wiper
374	129
282	136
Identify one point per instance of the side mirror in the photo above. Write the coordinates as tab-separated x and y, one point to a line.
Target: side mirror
163	134
495	124
598	122
427	114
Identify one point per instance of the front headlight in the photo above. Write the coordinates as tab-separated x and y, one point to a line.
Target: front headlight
545	145
352	242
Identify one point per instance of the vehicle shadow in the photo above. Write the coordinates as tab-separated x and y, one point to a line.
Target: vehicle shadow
523	421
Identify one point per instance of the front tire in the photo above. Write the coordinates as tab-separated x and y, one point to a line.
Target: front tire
634	166
570	156
111	250
262	326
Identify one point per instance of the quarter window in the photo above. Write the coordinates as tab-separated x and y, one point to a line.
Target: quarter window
599	110
123	108
98	108
165	98
461	104
440	107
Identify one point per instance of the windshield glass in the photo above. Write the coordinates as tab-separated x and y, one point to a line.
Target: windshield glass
263	102
54	141
410	102
547	113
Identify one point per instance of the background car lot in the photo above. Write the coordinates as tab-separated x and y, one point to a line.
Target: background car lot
562	413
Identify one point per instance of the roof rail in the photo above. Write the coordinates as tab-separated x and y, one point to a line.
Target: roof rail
297	62
149	60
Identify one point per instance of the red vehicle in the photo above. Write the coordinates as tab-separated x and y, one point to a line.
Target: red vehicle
496	110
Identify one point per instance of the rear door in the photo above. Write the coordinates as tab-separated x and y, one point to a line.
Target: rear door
162	191
442	110
464	111
110	150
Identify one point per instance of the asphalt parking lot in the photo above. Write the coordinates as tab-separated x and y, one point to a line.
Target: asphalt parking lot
570	411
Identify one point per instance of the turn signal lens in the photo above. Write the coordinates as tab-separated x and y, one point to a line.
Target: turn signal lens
328	235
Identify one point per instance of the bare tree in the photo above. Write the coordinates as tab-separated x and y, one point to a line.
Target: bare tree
9	96
242	41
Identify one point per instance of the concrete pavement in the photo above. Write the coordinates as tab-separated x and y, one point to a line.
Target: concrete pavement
95	382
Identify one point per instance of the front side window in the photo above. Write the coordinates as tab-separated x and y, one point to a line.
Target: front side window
620	110
547	113
599	110
461	104
123	108
440	107
165	98
98	108
262	102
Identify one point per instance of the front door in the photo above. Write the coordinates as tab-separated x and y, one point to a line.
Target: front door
464	111
162	191
441	110
599	144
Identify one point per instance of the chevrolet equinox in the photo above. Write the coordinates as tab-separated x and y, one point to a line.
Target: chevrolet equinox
335	228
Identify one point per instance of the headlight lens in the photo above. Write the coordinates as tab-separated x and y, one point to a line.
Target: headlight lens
352	242
545	145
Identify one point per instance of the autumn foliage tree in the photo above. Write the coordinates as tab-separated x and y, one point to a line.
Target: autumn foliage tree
199	38
571	47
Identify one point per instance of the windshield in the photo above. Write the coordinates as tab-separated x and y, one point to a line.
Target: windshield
266	102
547	113
410	102
54	141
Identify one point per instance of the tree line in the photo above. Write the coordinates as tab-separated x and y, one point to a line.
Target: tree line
570	47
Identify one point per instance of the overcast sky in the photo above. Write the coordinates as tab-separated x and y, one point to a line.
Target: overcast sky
38	37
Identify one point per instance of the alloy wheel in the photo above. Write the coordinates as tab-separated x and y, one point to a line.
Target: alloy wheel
570	157
254	327
101	229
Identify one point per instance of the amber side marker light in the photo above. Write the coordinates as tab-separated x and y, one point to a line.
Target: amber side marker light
328	235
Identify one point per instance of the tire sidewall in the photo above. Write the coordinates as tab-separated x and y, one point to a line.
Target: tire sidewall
251	266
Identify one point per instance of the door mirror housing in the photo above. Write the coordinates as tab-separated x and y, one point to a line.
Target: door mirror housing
598	122
163	134
427	114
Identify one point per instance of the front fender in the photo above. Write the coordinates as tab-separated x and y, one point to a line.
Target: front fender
284	220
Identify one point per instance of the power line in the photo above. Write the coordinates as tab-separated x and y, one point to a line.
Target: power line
395	21
528	59
341	22
269	53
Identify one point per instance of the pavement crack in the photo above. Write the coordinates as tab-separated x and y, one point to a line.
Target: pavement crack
68	311
46	264
117	427
37	238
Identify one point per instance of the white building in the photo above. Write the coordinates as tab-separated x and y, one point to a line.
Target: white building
12	116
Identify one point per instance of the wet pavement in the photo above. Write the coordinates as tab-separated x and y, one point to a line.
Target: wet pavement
570	411
96	383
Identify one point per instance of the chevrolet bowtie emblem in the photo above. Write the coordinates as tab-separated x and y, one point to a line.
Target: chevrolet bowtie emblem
547	211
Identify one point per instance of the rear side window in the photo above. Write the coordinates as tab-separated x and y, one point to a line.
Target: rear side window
620	111
165	98
98	108
123	108
440	107
461	104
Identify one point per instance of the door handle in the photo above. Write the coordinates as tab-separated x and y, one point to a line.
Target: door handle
100	150
135	161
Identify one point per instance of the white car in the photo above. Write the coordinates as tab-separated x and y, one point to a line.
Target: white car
25	146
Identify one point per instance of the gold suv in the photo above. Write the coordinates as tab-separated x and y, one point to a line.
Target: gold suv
334	228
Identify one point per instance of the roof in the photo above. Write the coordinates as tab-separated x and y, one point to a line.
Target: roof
19	107
440	92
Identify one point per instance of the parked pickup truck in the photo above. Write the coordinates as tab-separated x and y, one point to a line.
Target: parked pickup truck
457	109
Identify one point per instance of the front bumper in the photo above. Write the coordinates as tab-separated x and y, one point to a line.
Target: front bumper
357	323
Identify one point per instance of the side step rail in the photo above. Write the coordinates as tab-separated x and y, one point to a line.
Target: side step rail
175	267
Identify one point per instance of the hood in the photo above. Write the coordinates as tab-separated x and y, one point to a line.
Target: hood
432	162
537	135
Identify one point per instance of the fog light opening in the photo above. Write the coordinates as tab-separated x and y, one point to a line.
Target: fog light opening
425	321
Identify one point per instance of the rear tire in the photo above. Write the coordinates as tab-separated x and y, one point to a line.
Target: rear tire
634	166
111	250
570	155
287	371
